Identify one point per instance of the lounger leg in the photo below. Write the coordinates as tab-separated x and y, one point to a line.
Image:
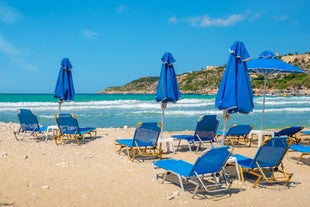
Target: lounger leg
189	146
259	177
128	152
300	157
201	181
195	191
77	140
134	152
154	172
241	174
46	135
288	179
178	144
250	141
16	134
181	183
164	177
211	143
217	141
198	147
197	186
119	150
237	170
225	178
58	138
234	161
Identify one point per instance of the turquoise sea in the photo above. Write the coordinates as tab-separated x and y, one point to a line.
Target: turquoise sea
105	110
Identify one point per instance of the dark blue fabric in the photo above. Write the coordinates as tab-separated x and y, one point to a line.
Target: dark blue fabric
289	131
64	90
212	161
239	130
167	88
235	92
146	135
29	121
68	124
268	155
206	128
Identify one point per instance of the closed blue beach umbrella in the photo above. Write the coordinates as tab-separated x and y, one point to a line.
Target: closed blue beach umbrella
235	93
267	64
64	90
167	88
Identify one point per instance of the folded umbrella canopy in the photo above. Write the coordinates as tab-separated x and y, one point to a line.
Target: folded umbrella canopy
267	64
64	90
235	92
167	88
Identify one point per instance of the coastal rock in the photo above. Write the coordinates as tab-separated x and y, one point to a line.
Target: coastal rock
207	80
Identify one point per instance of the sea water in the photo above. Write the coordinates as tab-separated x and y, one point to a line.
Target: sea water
110	110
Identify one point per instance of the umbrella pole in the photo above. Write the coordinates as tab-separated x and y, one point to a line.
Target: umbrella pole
226	117
59	106
163	108
264	96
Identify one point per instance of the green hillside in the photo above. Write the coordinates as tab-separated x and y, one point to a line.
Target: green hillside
207	80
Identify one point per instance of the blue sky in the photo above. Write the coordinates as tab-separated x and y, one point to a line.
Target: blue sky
111	43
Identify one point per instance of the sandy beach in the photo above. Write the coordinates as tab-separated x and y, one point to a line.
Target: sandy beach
42	173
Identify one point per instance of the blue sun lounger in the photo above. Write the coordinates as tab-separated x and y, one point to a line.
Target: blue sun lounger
305	150
69	129
205	131
305	132
237	132
267	161
143	143
210	164
290	132
29	125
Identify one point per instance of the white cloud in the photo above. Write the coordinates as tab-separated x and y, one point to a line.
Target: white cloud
206	21
172	20
89	34
121	8
15	55
281	18
257	16
7	48
8	14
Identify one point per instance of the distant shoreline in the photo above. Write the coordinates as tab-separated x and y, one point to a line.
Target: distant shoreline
256	93
260	93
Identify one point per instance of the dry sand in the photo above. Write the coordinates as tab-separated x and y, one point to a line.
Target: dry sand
92	174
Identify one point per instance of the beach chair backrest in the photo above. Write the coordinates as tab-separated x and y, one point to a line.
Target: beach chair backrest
206	127
271	153
147	133
28	120
239	130
212	160
67	123
289	131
